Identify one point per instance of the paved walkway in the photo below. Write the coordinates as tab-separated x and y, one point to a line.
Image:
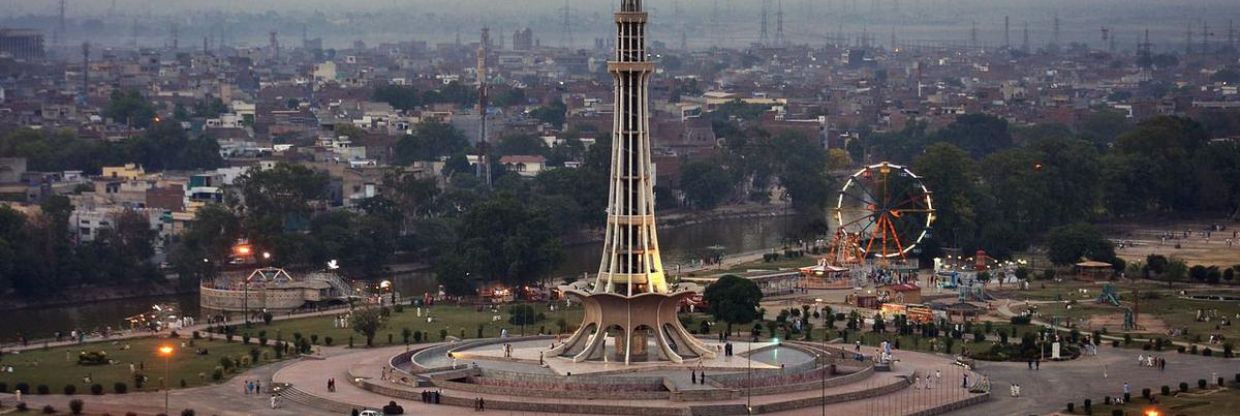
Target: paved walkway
1090	377
310	377
226	399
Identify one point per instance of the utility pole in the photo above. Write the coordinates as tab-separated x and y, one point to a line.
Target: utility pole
85	69
484	165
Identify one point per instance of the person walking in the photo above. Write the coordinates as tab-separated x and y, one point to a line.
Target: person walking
275	401
482	404
964	381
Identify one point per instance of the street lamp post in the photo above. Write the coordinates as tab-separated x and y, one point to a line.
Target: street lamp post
166	352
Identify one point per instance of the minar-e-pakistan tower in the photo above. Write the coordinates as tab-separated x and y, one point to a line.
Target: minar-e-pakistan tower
630	303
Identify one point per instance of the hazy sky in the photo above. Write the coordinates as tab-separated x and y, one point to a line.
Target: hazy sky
340	22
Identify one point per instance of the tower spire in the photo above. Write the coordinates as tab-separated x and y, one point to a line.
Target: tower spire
630	298
1007	32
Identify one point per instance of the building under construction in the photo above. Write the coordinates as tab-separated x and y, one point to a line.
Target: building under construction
22	44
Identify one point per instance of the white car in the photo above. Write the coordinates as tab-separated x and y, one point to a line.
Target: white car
370	413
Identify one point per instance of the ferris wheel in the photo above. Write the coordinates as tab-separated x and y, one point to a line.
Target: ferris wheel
887	208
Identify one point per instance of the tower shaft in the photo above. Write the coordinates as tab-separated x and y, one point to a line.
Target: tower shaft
631	264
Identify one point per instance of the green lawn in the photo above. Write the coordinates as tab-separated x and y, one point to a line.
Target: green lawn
453	319
1195	402
1167	307
58	367
782	263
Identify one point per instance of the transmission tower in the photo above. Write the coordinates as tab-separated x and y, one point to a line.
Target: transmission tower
1055	34
176	36
566	28
779	25
1007	32
59	36
1188	43
973	35
1025	42
764	37
1205	37
1144	56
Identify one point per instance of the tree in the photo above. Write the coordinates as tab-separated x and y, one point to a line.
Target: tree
553	114
521	144
705	183
733	299
500	240
1070	243
367	322
1177	271
953	177
400	97
431	139
978	134
131	108
206	242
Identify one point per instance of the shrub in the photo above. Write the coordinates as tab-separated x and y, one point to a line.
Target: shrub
1147	346
217	374
196	335
70	390
1183	387
267	317
1071	407
1227	350
187	412
1165	390
1145	393
1206	352
1089	406
4	387
1127	339
75	406
1201	383
1193	349
417	337
1115	343
22	387
49	410
1021	320
120	388
1180	349
328	341
21	407
96	389
443	334
92	358
43	389
314	339
350	341
1117	412
226	363
1220	381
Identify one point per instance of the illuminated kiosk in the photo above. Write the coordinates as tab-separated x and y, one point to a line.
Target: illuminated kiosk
630	302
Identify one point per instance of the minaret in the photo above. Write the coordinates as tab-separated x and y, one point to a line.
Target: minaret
631	264
630	298
1007	32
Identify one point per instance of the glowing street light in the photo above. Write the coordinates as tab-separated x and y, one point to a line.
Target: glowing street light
166	351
